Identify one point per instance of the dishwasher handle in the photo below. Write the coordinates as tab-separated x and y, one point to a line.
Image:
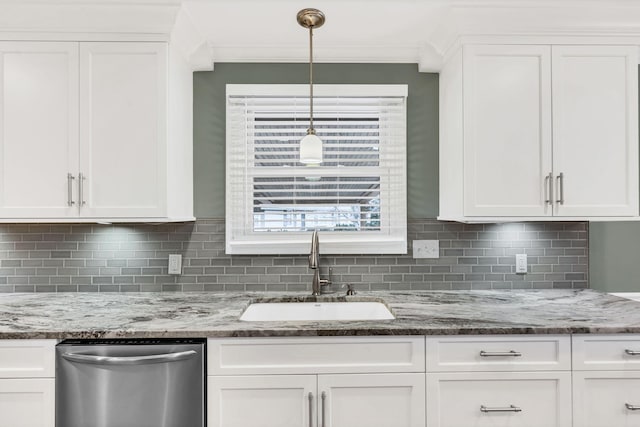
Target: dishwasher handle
129	360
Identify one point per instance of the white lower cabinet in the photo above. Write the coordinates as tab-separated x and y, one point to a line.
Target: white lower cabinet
371	400
366	400
606	380
499	399
261	400
499	381
27	402
606	399
27	384
316	382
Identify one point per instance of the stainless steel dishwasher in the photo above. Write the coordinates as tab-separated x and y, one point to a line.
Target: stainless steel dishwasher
130	383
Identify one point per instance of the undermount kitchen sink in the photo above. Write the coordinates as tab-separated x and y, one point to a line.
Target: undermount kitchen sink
315	311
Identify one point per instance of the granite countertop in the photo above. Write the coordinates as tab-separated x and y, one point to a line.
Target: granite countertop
111	315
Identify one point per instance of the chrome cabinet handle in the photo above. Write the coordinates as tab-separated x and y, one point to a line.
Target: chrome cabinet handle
632	352
510	408
561	191
70	179
129	360
632	407
509	353
310	409
324	400
548	185
81	179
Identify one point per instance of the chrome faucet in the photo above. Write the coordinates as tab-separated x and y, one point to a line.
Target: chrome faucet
314	264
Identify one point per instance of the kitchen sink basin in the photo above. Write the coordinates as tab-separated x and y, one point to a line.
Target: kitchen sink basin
316	311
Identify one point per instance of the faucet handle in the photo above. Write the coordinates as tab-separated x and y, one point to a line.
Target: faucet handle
350	290
325	284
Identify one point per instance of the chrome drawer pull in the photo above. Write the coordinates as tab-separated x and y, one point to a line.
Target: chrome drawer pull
510	408
548	181
632	407
70	179
632	352
561	191
509	353
81	179
310	409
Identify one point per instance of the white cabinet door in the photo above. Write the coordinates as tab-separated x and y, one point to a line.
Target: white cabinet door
507	130
606	399
123	129
341	400
595	130
38	129
261	401
540	399
371	400
27	402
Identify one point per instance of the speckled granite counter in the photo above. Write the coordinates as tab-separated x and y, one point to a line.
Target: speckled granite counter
104	315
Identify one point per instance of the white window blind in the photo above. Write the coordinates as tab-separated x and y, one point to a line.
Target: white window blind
356	198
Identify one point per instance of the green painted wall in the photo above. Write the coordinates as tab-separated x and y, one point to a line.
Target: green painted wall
614	255
209	123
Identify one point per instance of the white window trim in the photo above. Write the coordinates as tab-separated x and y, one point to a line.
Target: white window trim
391	240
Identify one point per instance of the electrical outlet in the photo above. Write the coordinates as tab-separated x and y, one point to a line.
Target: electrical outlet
426	249
175	264
521	263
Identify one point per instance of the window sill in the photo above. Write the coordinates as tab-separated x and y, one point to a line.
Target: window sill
299	245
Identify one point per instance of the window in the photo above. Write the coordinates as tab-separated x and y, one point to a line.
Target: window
356	198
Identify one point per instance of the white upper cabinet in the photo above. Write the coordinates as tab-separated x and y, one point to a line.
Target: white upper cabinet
38	128
537	131
595	130
507	128
95	131
123	129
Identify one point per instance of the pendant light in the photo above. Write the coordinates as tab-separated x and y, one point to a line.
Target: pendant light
310	145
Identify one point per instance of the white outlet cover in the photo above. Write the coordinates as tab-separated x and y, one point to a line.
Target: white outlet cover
175	263
426	249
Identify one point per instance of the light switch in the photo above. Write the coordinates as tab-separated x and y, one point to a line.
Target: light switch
426	249
521	263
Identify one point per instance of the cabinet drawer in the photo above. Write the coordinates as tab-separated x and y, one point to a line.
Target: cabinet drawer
499	399
498	353
606	352
27	358
605	399
237	356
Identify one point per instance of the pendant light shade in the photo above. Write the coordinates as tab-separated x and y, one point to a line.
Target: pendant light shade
310	145
311	149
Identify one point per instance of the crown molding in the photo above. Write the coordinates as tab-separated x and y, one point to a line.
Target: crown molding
195	49
430	61
321	54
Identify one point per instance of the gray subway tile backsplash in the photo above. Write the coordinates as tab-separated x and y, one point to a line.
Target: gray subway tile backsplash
134	257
